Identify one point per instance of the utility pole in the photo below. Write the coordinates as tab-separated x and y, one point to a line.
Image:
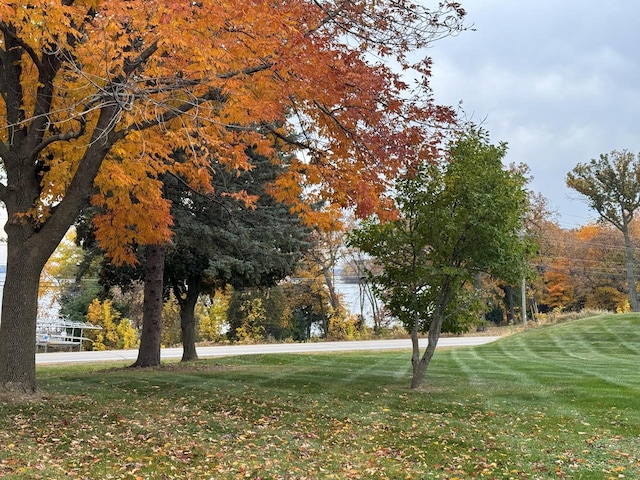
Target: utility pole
524	301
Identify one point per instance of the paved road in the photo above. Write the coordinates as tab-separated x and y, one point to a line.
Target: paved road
230	350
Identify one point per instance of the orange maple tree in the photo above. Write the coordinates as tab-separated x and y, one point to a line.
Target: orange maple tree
95	95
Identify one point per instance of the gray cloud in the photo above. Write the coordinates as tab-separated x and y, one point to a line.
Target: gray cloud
557	81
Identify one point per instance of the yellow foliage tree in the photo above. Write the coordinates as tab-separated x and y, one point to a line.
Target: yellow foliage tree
212	317
117	333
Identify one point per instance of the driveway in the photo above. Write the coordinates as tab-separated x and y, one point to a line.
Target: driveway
231	350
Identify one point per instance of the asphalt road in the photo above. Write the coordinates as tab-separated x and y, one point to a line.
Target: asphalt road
230	350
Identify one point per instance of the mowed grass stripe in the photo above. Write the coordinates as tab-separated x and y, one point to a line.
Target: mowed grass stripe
483	367
567	356
582	357
628	337
552	402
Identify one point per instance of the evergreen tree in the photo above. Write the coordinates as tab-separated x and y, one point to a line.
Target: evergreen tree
219	240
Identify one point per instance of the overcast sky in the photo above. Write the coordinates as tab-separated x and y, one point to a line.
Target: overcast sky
559	81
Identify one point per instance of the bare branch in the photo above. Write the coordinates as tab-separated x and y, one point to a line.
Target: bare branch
214	94
288	139
246	71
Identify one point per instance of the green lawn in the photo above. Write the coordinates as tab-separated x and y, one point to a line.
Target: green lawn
553	402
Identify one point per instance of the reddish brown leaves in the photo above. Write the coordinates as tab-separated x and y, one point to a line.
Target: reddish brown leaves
138	80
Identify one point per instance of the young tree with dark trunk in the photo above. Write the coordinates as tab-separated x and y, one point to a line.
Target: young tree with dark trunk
187	303
456	219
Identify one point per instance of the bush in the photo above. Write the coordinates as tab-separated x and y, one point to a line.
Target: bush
344	326
116	334
558	316
212	317
258	315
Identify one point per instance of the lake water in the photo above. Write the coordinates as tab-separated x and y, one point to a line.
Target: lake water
355	301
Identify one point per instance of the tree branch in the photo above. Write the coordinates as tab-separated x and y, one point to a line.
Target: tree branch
246	71
360	145
288	140
209	198
79	191
26	47
130	67
61	137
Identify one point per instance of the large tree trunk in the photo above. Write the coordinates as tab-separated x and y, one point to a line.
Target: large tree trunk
27	253
151	336
188	320
29	246
631	282
18	327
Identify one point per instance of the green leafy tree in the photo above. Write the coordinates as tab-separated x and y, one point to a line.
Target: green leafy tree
611	185
456	218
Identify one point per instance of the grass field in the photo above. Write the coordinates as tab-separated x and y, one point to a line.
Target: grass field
553	402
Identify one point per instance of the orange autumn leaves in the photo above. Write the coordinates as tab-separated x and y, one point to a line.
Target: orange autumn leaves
581	268
138	80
